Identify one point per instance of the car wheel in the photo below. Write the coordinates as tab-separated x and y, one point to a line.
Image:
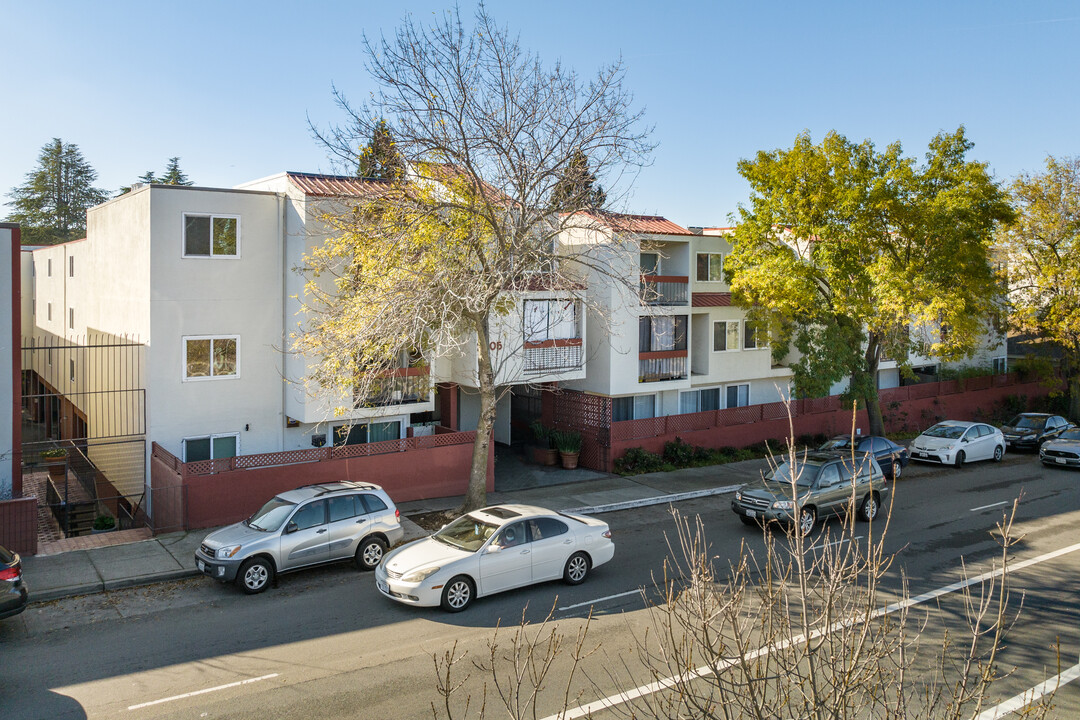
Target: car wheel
370	553
959	462
999	452
869	508
897	470
255	575
458	594
577	569
807	520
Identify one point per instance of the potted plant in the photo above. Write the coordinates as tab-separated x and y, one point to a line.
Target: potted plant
56	460
545	451
569	444
104	523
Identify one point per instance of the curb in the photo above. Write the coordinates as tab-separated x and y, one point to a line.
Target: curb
656	500
44	596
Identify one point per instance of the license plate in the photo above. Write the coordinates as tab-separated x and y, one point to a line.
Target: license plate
921	454
751	513
1008	442
1060	460
383	588
202	565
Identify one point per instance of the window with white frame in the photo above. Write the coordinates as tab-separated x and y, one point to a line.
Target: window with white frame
662	333
215	236
737	395
550	320
694	401
634	407
211	447
71	266
754	336
726	335
710	267
1001	365
211	357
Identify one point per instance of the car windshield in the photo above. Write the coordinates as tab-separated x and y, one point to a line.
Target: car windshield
1026	421
840	442
466	533
805	472
1073	434
271	515
951	432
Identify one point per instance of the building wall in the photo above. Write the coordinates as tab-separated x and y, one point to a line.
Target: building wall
10	376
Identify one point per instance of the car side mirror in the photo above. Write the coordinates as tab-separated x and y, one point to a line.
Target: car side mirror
291	528
963	439
494	548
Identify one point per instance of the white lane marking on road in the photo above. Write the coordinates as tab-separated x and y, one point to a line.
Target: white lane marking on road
202	692
1027	698
984	507
599	600
627	695
844	540
655	500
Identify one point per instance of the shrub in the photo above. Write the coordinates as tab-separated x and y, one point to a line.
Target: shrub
567	441
678	452
54	453
542	434
104	522
638	460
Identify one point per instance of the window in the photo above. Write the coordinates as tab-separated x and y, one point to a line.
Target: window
738	395
546	528
71	266
211	357
662	333
211	236
830	475
725	335
511	536
210	447
1001	365
48	311
369	433
635	407
48	268
752	336
71	318
310	515
373	503
650	263
550	320
710	267
344	507
71	365
699	400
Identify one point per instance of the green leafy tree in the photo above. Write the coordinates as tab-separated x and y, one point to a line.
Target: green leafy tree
51	205
437	259
173	174
578	187
852	254
1043	257
380	159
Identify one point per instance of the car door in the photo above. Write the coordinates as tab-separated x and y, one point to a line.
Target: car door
883	453
987	441
831	492
305	538
379	517
506	562
552	545
347	521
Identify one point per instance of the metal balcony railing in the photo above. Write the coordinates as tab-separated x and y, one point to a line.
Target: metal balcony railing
548	355
665	289
401	386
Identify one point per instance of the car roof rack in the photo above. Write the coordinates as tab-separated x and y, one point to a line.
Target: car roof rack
343	485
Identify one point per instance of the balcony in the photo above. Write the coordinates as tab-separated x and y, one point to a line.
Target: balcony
549	355
398	387
660	366
665	289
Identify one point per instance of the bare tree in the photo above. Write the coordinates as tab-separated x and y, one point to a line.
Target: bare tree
433	260
802	630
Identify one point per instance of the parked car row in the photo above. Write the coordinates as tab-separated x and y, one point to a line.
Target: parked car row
481	553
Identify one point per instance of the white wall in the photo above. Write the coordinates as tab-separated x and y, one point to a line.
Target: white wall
9	344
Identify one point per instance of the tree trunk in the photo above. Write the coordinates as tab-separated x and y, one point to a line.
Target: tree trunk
870	393
476	494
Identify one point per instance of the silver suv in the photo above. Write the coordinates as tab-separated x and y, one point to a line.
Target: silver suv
310	525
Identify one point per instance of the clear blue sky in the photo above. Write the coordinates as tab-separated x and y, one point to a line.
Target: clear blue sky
228	86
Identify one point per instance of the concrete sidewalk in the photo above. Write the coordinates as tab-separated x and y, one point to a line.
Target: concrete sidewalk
172	556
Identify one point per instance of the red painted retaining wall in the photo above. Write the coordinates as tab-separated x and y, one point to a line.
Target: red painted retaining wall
904	409
18	525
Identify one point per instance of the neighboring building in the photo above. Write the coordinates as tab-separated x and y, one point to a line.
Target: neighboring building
10	323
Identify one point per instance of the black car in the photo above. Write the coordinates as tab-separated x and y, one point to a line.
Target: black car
1028	431
13	590
891	457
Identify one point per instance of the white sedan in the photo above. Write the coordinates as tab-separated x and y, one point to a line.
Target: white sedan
491	550
954	442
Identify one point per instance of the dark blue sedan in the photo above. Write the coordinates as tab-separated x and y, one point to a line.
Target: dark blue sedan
891	457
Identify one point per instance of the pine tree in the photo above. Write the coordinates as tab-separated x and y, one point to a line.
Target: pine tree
173	174
380	160
51	205
577	188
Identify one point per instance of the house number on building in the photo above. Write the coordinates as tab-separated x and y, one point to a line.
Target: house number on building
493	345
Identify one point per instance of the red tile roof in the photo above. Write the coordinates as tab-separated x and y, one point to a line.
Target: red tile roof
652	224
710	299
336	185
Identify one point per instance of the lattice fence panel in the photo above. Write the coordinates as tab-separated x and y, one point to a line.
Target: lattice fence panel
690	421
286	457
739	415
589	415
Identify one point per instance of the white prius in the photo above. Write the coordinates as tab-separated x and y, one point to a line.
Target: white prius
494	549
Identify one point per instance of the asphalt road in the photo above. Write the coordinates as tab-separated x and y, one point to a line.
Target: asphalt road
325	644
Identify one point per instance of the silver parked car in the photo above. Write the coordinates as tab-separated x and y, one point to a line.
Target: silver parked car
954	442
310	525
1064	450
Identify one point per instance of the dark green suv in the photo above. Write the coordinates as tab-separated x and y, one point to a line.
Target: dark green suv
826	482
